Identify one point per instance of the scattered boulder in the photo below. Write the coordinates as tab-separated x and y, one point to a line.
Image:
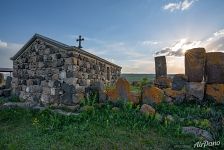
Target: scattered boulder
215	92
152	95
123	88
133	97
197	132
195	90
163	82
147	110
176	96
160	66
194	64
179	82
214	67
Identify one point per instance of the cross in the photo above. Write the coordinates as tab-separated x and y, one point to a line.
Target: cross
80	39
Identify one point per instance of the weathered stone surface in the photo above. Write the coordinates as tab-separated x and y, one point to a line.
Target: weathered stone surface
55	75
134	98
215	67
160	66
195	64
1	79
123	88
176	96
163	82
195	90
147	110
112	95
215	92
197	132
179	82
152	95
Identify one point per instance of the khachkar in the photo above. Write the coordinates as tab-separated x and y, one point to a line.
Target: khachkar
160	66
194	64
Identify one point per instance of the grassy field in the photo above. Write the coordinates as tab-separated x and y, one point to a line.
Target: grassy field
138	77
99	128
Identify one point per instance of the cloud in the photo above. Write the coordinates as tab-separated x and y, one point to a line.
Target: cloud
179	47
181	5
6	52
3	44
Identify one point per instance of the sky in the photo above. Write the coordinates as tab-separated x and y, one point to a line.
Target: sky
129	33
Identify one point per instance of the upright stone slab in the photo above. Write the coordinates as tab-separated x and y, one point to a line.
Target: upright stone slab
195	64
215	67
160	66
1	79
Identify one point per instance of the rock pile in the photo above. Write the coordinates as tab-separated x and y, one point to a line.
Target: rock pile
203	79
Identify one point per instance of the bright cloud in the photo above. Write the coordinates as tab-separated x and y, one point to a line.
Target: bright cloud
7	50
179	47
3	44
182	5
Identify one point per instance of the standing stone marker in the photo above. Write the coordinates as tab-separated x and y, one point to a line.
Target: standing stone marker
215	67
195	64
160	66
1	78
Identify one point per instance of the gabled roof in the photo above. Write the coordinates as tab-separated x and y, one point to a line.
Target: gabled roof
60	45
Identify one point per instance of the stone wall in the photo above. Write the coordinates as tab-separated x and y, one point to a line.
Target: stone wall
48	74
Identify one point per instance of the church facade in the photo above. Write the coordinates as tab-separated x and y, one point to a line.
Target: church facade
49	72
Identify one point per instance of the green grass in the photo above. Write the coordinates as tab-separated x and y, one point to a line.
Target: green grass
138	77
99	128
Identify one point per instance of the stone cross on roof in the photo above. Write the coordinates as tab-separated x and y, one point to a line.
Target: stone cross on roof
80	39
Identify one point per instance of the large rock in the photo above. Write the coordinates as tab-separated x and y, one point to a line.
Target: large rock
215	92
163	82
179	82
112	95
197	132
195	90
195	64
123	88
1	79
147	110
215	67
176	96
160	66
133	97
152	95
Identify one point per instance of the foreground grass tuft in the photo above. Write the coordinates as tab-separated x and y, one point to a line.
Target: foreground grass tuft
98	128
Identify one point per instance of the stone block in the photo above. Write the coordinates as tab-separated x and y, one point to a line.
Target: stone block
195	64
160	66
123	88
8	82
214	67
195	90
152	95
179	82
215	92
163	82
147	110
1	79
62	75
71	81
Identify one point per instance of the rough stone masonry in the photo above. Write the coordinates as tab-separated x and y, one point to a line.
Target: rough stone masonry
49	72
